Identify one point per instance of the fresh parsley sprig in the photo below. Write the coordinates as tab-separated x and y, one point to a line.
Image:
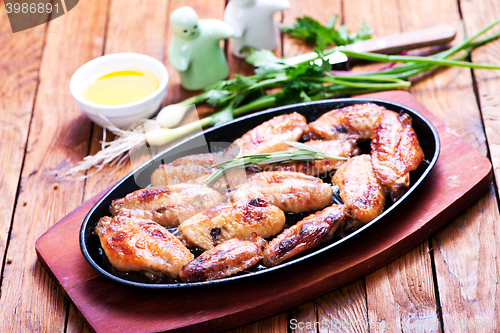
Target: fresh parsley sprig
304	153
317	34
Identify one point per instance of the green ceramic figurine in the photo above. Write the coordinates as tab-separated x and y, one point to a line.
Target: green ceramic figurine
195	51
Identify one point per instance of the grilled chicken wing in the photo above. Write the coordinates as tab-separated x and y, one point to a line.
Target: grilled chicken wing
395	152
290	191
167	205
305	235
194	169
359	189
351	122
340	148
228	258
189	169
134	244
271	135
239	219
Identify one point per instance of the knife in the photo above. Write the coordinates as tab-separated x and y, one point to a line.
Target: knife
392	44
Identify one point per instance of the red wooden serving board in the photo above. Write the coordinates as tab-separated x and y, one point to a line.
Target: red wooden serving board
111	307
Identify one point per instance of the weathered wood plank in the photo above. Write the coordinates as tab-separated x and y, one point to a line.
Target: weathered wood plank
133	26
476	16
20	57
466	261
303	318
58	137
273	324
449	94
344	310
401	294
469	292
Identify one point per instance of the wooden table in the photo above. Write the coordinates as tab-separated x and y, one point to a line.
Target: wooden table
449	282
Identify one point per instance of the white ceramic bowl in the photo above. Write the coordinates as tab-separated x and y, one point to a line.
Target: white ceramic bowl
123	115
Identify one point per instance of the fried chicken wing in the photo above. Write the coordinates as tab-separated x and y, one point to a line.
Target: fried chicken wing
355	122
340	148
228	258
238	219
290	191
194	169
188	169
306	234
167	205
395	152
359	189
270	136
134	244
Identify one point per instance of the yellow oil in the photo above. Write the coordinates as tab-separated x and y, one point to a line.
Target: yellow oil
121	87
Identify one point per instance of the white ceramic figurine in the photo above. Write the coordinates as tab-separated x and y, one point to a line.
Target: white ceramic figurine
195	51
252	21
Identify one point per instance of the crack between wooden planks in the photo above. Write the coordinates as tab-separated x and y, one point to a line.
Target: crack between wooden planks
317	317
488	151
18	189
288	319
366	306
106	26
439	309
66	318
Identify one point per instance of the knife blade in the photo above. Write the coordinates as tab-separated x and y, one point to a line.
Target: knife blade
391	44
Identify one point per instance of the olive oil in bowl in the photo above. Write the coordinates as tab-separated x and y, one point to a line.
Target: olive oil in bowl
121	87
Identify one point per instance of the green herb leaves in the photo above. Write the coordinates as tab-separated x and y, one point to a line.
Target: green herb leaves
315	33
304	153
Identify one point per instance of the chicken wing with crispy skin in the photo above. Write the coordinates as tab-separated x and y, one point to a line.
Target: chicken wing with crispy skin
306	234
270	136
359	189
188	169
167	205
194	169
351	122
135	244
395	152
238	219
340	148
228	258
290	191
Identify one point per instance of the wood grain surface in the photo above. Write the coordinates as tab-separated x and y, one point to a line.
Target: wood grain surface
452	277
59	136
19	67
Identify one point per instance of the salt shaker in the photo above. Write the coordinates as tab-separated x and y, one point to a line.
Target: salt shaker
195	51
252	21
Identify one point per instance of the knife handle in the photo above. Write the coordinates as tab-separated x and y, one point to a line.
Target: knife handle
393	44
